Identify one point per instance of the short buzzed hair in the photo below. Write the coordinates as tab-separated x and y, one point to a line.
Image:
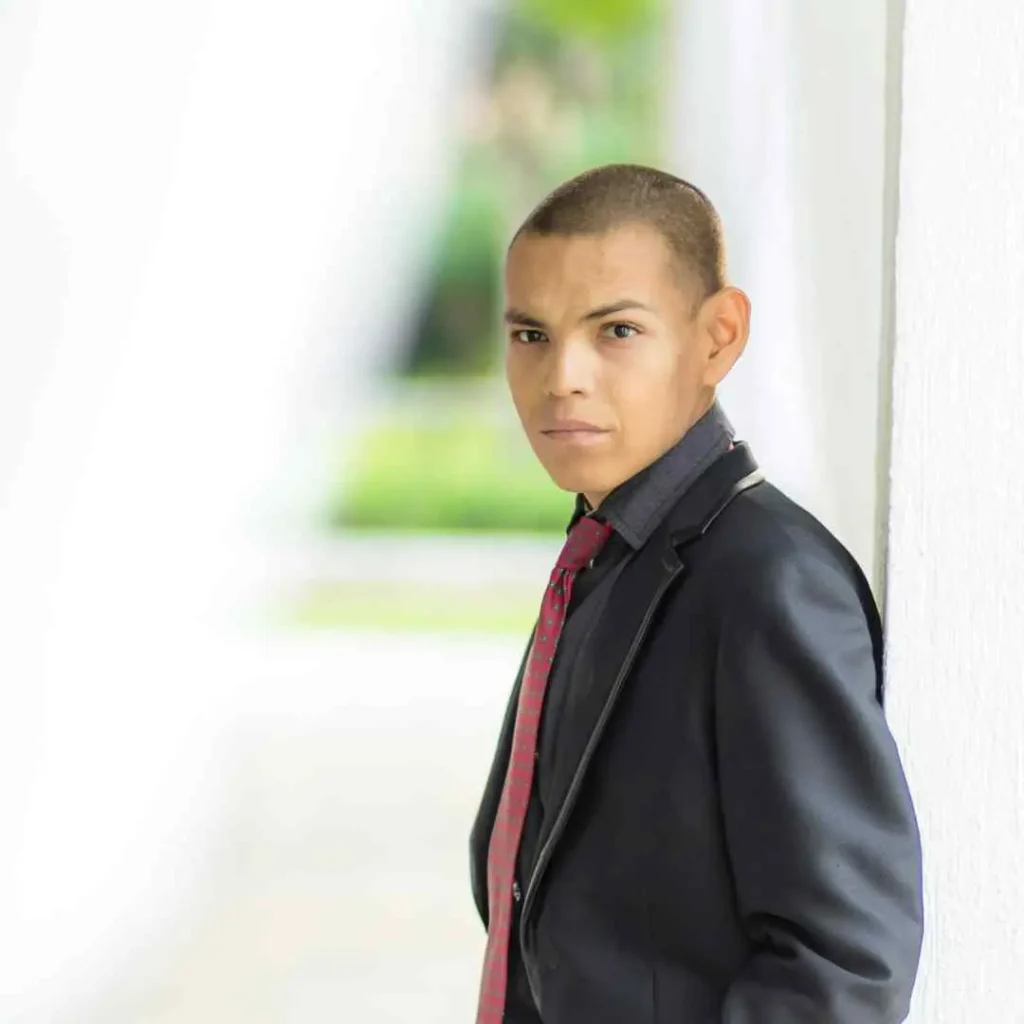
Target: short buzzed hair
608	197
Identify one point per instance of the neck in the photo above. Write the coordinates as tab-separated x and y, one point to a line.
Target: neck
701	410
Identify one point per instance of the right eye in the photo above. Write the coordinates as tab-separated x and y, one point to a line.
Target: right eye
528	336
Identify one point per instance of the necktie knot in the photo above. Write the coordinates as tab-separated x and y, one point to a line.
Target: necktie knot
584	544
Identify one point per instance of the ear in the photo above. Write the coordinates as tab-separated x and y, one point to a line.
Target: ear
725	322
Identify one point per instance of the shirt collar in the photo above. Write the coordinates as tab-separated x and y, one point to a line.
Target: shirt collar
635	508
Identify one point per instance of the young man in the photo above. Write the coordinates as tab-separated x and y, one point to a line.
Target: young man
696	812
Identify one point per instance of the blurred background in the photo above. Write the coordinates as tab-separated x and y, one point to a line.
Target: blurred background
270	540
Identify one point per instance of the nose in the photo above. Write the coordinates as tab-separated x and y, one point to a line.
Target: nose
569	369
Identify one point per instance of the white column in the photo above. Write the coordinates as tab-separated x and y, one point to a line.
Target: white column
956	559
778	112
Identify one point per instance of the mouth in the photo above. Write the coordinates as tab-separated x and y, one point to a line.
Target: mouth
574	432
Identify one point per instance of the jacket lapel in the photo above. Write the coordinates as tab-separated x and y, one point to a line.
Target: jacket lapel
632	605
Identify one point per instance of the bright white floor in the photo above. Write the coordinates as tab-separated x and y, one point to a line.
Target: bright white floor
319	870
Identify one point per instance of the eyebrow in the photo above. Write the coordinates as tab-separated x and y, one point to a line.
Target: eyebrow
517	316
616	307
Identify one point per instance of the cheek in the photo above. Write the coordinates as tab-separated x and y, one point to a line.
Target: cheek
655	395
520	380
656	364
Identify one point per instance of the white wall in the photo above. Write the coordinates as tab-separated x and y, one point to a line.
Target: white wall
956	563
778	112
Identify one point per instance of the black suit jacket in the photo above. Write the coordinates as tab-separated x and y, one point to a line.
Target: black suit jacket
734	841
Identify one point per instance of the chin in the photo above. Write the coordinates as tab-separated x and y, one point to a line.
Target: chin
582	480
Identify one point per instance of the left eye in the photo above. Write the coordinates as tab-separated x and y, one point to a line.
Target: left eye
619	331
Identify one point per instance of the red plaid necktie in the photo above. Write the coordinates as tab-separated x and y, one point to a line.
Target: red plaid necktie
585	540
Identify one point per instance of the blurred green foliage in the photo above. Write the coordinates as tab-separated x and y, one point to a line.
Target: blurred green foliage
573	84
598	19
458	311
461	473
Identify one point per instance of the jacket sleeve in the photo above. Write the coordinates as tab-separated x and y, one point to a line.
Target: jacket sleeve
820	828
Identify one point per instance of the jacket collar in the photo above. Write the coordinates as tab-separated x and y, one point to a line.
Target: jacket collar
636	508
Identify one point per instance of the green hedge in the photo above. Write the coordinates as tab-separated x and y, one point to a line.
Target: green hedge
459	473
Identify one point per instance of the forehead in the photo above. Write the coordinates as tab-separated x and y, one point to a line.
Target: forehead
632	260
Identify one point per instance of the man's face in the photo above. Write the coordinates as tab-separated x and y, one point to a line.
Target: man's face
606	361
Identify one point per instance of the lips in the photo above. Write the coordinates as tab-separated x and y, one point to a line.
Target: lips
572	427
574	432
